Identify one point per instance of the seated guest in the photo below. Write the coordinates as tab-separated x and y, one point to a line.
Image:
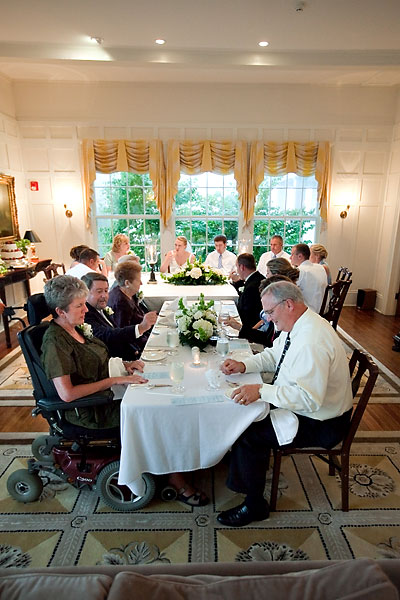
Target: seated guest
175	259
75	252
318	256
221	258
281	266
249	302
120	341
312	279
89	260
78	365
124	303
275	252
311	380
120	247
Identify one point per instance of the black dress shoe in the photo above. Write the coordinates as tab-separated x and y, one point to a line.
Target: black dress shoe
242	515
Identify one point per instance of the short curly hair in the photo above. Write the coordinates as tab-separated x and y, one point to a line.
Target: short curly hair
127	270
119	239
60	291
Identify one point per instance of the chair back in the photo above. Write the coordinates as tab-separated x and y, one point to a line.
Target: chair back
42	264
30	340
361	366
344	274
333	300
52	270
37	309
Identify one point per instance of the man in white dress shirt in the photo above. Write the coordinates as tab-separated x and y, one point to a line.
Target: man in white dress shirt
312	279
275	252
221	258
311	385
89	260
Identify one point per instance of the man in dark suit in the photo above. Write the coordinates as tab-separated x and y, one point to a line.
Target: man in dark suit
249	302
120	341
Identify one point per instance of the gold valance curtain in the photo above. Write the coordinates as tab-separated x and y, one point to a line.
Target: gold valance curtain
121	155
193	158
304	159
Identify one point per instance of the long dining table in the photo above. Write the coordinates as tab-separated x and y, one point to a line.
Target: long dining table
164	432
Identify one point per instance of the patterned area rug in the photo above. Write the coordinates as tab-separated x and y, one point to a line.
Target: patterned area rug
72	527
16	387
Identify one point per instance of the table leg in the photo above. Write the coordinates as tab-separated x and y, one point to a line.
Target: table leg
5	319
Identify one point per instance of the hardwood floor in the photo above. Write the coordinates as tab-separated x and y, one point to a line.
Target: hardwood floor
370	329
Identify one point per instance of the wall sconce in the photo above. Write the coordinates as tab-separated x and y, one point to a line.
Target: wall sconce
343	214
68	213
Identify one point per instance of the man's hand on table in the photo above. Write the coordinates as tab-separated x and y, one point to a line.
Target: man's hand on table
246	394
230	366
232	322
134	365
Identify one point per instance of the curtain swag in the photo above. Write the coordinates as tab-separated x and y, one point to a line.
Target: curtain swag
192	158
304	159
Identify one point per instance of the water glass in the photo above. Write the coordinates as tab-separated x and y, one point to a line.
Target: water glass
176	373
172	340
222	347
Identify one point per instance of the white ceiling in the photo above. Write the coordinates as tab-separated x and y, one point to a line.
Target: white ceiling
335	42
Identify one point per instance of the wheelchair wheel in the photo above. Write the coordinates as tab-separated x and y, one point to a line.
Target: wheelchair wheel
168	493
120	497
24	486
38	447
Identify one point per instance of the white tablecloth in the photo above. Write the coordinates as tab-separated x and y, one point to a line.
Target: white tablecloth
155	294
161	437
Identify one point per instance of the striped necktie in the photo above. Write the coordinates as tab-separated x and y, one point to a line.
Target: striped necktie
285	349
220	261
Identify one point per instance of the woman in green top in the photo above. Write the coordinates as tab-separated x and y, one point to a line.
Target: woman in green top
73	359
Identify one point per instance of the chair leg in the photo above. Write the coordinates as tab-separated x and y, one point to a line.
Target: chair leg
331	466
344	474
275	480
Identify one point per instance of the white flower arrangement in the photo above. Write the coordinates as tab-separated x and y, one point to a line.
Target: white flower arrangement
196	323
87	330
196	274
109	311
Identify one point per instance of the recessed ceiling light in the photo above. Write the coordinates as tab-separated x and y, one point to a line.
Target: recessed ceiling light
160	42
96	40
263	43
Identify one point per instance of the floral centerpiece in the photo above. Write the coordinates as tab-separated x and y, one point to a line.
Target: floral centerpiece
196	323
196	274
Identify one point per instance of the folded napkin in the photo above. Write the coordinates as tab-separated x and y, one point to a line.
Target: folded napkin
173	305
285	424
116	368
215	378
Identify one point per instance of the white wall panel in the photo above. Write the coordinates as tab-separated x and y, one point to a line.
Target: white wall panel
366	246
347	161
4	163
64	159
374	162
371	192
35	159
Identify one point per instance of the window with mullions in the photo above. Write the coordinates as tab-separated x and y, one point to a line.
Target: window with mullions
124	203
207	205
286	206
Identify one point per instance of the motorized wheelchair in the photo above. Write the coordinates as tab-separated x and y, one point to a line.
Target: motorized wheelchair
80	456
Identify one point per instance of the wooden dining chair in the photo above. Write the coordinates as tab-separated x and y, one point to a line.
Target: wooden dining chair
344	274
52	270
333	300
338	458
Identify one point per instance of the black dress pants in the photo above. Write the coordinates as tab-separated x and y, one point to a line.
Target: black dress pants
250	453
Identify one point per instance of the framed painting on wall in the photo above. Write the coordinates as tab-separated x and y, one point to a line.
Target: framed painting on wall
9	229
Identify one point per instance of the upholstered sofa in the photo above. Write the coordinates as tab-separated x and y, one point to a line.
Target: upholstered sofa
361	579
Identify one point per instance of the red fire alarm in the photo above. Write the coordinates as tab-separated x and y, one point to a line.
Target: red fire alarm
34	186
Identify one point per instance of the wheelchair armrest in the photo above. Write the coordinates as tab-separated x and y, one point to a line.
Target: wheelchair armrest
55	402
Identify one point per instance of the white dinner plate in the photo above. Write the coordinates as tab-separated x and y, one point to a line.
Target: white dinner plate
153	355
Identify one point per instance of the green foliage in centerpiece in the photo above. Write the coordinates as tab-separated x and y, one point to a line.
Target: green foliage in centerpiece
3	267
197	323
196	274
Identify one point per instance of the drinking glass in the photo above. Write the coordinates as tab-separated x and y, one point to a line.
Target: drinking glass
177	372
222	347
172	340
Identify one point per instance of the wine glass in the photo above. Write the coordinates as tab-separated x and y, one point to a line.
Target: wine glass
172	340
176	373
223	315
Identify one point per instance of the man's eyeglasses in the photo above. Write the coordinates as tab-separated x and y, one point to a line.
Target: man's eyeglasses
267	313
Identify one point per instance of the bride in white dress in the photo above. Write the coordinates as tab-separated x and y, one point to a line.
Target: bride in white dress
175	259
